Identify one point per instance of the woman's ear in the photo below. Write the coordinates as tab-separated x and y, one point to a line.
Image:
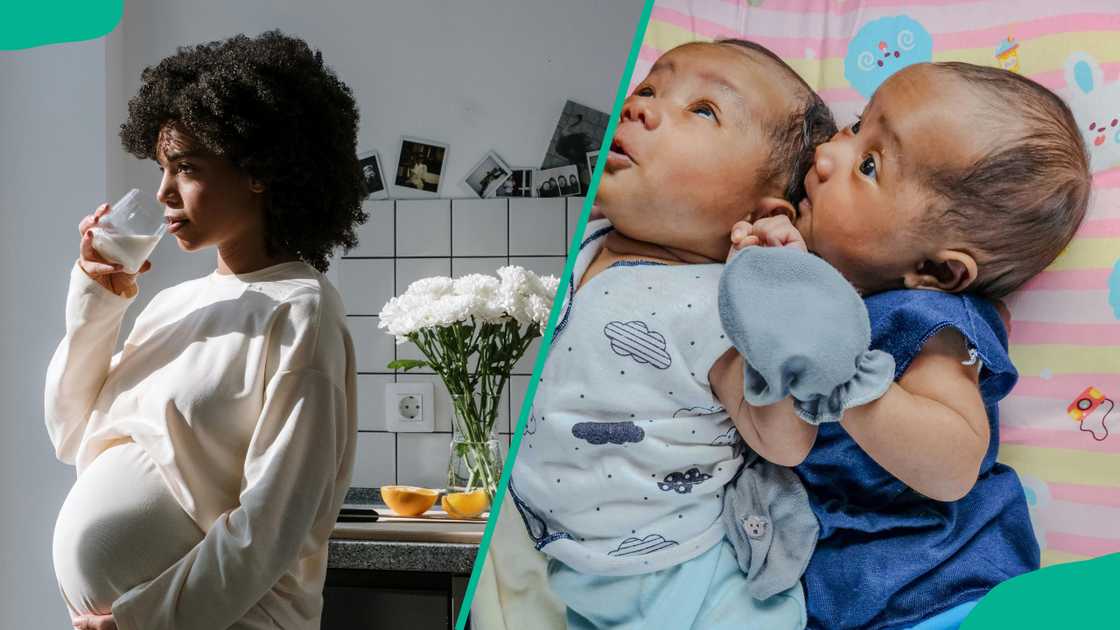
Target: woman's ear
948	270
773	206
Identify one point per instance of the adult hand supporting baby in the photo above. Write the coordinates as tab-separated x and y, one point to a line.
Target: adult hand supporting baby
803	331
108	274
95	622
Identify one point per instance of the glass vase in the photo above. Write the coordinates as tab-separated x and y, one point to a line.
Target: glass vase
476	460
474	466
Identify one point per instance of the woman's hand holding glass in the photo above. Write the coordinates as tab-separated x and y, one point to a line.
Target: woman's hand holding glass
107	273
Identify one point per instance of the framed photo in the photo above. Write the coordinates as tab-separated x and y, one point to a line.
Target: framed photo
518	184
592	157
488	175
580	129
562	181
420	164
373	175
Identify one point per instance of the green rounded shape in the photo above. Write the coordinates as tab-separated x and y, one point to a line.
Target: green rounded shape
30	23
1071	595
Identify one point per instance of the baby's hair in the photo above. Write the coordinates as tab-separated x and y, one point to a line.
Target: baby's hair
1019	205
272	107
796	137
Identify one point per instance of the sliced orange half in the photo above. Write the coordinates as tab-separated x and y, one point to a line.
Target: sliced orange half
465	504
409	500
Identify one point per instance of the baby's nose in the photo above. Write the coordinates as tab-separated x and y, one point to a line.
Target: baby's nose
823	163
639	110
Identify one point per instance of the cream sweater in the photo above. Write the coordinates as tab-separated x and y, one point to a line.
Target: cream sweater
242	389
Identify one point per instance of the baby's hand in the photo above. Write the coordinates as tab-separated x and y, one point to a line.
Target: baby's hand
774	231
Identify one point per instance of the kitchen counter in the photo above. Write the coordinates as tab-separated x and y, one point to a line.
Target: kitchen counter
433	544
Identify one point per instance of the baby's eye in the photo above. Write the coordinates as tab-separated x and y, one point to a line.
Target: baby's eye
704	111
855	126
184	168
644	91
867	167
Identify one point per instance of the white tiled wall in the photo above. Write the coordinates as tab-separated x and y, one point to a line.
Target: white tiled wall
409	239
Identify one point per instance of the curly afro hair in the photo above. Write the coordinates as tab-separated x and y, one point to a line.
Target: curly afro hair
271	107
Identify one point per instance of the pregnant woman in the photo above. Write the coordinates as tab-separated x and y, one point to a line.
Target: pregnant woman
214	450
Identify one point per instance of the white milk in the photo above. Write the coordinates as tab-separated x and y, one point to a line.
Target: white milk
129	250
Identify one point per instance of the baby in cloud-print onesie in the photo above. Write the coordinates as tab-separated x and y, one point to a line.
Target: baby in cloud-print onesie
629	450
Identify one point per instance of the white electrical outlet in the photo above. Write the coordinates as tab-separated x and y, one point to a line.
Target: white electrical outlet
410	407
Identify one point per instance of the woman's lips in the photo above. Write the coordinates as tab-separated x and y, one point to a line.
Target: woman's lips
175	224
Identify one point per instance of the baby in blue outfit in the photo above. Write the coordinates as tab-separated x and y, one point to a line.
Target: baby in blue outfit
628	452
957	185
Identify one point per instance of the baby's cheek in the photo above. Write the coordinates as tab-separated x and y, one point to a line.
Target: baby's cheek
719	177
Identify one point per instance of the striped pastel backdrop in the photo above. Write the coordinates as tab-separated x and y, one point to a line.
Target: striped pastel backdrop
1065	333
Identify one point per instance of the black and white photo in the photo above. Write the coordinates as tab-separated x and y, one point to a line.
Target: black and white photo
372	174
592	158
420	165
580	129
488	175
562	181
519	184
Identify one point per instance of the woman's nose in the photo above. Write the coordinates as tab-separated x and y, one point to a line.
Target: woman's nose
167	195
640	109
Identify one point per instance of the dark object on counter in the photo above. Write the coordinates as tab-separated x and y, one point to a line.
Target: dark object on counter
355	514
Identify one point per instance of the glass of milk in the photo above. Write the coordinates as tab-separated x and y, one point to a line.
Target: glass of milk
129	232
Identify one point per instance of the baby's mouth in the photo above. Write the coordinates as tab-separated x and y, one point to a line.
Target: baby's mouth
804	207
618	158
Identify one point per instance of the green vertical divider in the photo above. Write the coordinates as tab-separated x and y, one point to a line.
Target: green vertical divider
546	340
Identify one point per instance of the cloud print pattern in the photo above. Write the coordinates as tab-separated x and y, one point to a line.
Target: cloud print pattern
626	476
642	546
608	432
637	341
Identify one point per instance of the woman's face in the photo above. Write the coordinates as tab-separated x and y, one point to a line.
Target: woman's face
208	200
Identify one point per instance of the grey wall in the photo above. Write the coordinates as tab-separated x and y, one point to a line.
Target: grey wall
52	164
479	75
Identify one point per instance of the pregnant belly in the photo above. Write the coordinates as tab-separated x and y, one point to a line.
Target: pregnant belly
119	527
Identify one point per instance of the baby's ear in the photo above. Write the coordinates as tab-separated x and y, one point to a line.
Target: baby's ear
773	206
949	270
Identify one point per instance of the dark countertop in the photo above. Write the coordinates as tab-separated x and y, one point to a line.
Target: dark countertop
424	545
379	555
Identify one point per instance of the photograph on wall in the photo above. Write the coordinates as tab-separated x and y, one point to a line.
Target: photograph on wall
518	184
372	174
579	130
420	164
562	181
488	175
592	158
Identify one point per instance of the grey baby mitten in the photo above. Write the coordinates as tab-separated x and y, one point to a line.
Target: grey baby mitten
803	331
768	520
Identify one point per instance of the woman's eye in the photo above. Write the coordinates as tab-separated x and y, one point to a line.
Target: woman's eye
855	126
644	91
185	168
704	111
867	167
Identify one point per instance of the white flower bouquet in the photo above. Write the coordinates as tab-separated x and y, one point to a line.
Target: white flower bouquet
471	331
